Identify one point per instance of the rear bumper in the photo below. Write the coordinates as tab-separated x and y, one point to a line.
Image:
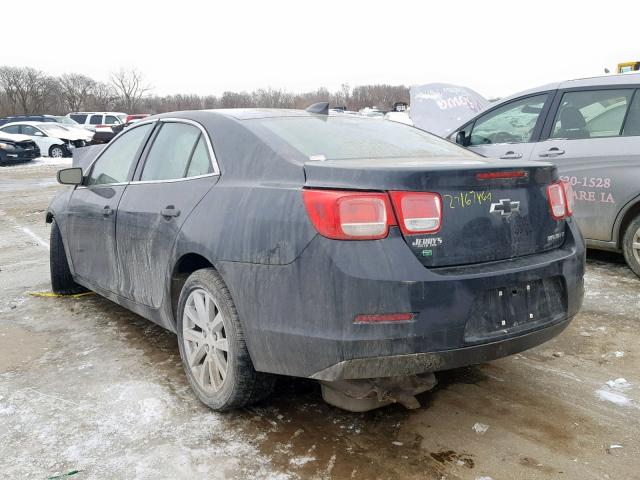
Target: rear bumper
412	364
299	318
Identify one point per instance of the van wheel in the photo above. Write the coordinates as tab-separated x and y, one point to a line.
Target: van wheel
61	279
56	151
631	245
212	346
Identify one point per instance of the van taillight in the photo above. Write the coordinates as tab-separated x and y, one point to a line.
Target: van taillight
347	215
568	192
418	212
560	200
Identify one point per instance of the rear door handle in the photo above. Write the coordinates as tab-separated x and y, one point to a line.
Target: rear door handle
107	211
552	152
511	156
170	211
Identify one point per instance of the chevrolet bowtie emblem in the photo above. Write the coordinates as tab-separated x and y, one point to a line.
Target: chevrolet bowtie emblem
505	207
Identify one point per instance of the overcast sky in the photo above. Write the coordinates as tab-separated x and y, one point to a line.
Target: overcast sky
207	47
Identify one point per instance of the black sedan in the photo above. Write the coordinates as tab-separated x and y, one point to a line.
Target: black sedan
17	148
362	253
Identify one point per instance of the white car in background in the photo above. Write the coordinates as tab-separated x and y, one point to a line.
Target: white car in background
93	120
53	139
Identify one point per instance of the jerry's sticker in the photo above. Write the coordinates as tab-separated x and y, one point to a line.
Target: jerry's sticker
427	242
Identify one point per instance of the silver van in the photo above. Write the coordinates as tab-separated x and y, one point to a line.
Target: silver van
590	128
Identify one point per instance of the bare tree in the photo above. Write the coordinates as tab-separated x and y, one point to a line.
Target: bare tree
130	87
103	97
76	91
27	90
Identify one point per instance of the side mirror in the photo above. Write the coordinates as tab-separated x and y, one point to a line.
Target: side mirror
38	134
462	139
70	176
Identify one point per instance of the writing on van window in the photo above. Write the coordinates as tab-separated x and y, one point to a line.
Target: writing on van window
467	199
590	195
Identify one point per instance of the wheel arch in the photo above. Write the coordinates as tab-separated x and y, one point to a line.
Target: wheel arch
626	216
182	268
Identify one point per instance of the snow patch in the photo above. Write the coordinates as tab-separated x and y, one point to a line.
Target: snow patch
480	428
300	461
613	397
619	384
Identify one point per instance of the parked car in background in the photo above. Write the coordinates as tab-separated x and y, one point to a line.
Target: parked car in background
39	118
91	120
17	148
591	129
53	140
365	254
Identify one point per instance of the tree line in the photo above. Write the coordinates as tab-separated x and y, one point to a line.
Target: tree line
26	90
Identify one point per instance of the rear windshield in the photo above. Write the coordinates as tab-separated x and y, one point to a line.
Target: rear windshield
343	138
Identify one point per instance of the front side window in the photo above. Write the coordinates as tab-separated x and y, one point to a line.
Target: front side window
511	123
114	164
110	120
29	130
172	148
95	120
591	114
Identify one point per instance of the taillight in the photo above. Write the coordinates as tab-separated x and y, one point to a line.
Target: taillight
560	200
345	215
418	212
568	191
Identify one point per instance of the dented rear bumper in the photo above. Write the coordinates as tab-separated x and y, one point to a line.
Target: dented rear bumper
299	318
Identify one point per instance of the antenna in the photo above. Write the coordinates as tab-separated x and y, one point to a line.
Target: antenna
321	108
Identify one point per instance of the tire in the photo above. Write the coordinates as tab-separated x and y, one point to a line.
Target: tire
631	238
207	323
57	151
61	280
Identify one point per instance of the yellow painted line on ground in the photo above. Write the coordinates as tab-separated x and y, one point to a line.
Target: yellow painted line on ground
54	295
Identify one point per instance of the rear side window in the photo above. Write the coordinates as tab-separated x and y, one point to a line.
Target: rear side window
95	119
79	118
172	148
632	125
510	123
114	164
12	129
591	114
200	163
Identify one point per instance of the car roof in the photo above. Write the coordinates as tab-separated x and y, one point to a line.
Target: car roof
252	113
96	113
599	81
30	122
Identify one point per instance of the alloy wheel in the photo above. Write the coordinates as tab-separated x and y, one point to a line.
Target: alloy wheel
57	152
205	340
635	245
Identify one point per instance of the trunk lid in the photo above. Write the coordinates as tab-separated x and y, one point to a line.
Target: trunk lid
482	219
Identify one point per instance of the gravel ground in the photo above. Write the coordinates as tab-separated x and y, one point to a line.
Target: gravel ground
87	386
